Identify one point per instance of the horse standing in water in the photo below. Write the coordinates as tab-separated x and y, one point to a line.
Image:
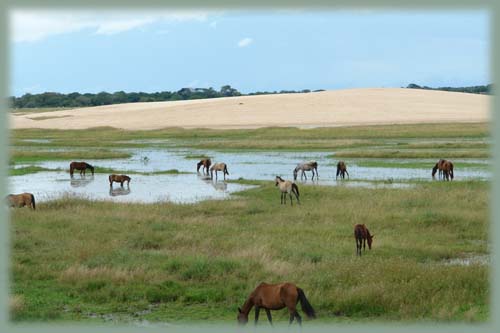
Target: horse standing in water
119	179
218	167
341	170
287	187
21	200
206	162
362	235
306	166
445	169
276	297
82	166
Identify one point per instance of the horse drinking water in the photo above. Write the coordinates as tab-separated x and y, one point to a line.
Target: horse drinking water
287	187
342	170
82	166
445	169
362	235
306	166
21	200
206	162
276	297
119	179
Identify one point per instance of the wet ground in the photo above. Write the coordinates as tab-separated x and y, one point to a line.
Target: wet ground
193	187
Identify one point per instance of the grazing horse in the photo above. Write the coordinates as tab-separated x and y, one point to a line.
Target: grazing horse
445	169
218	167
21	200
287	187
306	166
82	166
276	297
119	179
362	235
342	170
206	162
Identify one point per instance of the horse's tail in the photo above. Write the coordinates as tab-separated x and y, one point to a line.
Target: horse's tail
33	201
306	306
451	170
295	188
225	170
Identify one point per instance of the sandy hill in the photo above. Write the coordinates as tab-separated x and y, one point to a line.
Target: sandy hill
328	108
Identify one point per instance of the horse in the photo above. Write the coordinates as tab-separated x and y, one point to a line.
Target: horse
21	200
206	162
306	166
341	170
285	187
445	169
119	179
362	235
218	167
276	297
82	166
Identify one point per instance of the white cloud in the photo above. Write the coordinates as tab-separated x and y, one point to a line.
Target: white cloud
245	42
35	25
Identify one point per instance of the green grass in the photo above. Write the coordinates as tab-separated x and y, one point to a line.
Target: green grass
197	262
37	155
415	164
28	170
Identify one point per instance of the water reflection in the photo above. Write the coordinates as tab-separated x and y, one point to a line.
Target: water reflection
119	191
83	181
217	185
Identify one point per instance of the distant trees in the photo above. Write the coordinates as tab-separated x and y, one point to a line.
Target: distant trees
75	99
487	89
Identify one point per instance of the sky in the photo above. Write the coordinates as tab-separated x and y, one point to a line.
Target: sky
162	50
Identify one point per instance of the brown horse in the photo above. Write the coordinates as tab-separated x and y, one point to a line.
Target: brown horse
306	166
362	235
342	170
276	297
445	169
21	200
287	187
218	167
206	162
82	166
119	179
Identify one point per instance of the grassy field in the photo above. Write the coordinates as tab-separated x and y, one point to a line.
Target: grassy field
83	260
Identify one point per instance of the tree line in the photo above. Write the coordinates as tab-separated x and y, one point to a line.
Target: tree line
55	100
485	89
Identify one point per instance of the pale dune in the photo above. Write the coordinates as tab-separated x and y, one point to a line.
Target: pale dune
352	107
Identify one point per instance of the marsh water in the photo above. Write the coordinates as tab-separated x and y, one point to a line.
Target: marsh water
188	186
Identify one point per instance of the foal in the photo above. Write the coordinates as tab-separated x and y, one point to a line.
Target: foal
287	187
361	234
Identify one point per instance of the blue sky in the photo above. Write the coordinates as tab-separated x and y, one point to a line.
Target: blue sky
67	51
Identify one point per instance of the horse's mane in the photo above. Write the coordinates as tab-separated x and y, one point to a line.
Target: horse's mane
279	177
88	165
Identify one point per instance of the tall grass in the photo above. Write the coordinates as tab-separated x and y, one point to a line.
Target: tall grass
73	258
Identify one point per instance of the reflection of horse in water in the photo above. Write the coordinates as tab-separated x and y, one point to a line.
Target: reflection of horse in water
84	181
119	191
218	186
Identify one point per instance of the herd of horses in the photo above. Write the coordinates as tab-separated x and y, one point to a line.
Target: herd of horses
266	296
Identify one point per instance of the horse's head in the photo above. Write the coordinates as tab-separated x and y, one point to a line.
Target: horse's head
242	317
434	170
295	171
278	180
370	240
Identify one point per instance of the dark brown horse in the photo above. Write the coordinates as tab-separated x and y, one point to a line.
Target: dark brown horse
206	162
21	200
276	297
445	169
362	235
341	170
119	179
82	166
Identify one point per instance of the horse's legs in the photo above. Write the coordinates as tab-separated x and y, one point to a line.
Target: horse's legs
121	183
269	317
291	202
292	316
364	244
257	309
299	319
